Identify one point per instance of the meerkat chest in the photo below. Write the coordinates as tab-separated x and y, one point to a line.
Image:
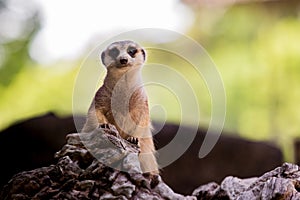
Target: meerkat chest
121	100
138	100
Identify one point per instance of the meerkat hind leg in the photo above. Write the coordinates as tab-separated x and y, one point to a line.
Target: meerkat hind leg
147	156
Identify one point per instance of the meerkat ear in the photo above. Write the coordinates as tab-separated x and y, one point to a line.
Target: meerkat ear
144	54
102	57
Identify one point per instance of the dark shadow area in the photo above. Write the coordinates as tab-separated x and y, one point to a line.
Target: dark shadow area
32	143
231	156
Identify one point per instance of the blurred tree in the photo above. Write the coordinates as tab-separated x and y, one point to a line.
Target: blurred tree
256	48
18	25
2	5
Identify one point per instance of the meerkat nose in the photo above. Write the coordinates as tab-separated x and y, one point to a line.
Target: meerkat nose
123	61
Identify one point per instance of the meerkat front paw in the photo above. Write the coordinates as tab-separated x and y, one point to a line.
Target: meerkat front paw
133	140
109	128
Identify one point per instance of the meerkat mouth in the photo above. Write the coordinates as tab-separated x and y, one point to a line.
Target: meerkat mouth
123	65
119	65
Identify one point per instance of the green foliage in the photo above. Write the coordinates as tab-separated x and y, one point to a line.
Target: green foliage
37	90
255	47
15	51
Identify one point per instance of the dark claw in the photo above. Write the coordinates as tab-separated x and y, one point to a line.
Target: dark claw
106	126
133	140
154	180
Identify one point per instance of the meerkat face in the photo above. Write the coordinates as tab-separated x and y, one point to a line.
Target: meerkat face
123	54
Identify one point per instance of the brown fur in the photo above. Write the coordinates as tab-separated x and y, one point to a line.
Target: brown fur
131	117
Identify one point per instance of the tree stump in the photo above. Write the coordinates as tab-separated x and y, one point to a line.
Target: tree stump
102	165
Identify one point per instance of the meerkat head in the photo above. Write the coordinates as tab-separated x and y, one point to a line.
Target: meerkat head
123	54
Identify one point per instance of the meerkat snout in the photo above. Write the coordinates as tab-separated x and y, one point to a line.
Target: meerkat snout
123	61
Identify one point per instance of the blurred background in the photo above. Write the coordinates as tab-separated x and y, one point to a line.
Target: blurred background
254	44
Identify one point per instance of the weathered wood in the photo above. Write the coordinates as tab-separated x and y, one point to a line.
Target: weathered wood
79	175
280	183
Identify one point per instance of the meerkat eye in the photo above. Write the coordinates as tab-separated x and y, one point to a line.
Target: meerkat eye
131	51
114	52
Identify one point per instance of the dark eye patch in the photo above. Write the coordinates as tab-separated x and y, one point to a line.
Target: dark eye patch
144	54
132	51
114	52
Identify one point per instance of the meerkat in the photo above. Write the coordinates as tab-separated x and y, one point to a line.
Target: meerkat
123	102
